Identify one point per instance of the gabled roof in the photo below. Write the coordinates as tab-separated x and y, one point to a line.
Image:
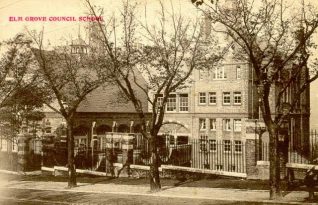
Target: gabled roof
108	99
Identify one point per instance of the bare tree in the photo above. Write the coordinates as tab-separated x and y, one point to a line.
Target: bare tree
275	37
67	79
170	52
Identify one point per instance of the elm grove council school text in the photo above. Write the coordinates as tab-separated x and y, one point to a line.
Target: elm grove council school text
55	18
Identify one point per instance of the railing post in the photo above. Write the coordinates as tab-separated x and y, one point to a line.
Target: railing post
23	151
250	158
109	155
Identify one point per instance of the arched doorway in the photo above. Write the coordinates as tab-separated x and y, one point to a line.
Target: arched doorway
81	136
123	128
102	129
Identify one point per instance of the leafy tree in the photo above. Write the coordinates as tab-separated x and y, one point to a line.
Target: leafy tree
171	51
276	38
22	108
15	80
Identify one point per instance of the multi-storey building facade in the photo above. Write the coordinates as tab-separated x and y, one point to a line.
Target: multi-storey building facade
217	103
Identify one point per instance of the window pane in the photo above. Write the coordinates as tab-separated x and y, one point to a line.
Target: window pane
184	104
202	98
212	145
212	97
227	145
219	73
238	72
159	100
237	98
237	125
203	143
202	124
213	124
203	74
238	146
227	124
226	98
172	103
4	145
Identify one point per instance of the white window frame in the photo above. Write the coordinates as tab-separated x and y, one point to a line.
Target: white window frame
238	72
4	144
203	143
212	145
202	124
171	103
237	125
219	73
212	95
226	95
202	96
183	102
227	146
203	74
212	124
238	146
227	125
159	101
237	98
14	145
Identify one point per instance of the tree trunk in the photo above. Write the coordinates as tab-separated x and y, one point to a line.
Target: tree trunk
274	169
70	155
154	167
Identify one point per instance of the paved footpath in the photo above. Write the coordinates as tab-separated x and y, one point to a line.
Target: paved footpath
296	197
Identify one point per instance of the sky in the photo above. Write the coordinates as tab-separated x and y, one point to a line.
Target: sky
59	33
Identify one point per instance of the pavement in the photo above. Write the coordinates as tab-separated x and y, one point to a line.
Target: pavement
222	194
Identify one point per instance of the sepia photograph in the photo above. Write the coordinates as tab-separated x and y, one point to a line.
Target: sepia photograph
150	102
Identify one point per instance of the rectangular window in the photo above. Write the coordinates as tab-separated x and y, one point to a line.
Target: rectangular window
159	100
172	103
238	146
203	143
4	145
203	74
226	98
238	72
212	98
227	124
14	145
212	124
227	145
237	98
213	146
202	98
237	125
202	124
219	73
184	102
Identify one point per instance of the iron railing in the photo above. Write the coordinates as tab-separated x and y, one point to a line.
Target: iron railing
220	155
